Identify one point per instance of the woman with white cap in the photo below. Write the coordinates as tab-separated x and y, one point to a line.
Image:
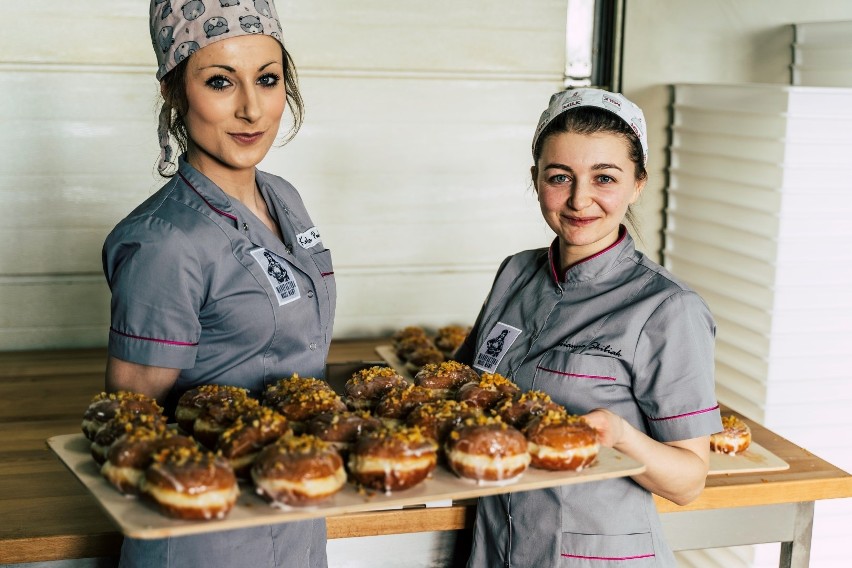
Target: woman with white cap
220	277
608	334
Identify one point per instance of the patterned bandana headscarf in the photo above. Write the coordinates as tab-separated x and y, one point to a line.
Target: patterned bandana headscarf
181	27
615	103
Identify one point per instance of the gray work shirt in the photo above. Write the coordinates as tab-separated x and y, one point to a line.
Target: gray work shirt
200	284
615	331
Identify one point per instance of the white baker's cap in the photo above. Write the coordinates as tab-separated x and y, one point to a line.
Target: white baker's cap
615	103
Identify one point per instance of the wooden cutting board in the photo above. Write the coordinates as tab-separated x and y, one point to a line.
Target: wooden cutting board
755	459
139	519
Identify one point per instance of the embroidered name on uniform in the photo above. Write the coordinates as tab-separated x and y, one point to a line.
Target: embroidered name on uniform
309	238
280	275
594	345
495	347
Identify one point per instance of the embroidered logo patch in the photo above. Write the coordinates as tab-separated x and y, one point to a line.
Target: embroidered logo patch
280	275
495	347
309	238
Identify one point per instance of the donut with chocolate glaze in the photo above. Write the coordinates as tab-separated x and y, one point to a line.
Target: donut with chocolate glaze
301	406
132	453
366	387
398	403
437	419
104	406
734	438
123	422
522	407
217	416
450	337
279	392
392	459
192	402
341	429
298	471
559	441
248	435
490	391
445	378
487	450
408	332
422	356
189	483
407	345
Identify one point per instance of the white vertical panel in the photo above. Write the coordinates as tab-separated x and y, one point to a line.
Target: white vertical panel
413	159
759	226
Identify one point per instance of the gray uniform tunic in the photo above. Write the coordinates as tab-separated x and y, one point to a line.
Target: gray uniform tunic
615	331
201	284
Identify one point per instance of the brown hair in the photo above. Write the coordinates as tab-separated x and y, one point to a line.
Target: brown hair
174	90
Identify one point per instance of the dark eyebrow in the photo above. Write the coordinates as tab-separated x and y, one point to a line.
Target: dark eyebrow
232	70
595	167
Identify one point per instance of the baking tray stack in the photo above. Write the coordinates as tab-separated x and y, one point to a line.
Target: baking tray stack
759	222
822	54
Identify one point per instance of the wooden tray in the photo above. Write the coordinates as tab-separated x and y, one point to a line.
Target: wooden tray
755	459
139	519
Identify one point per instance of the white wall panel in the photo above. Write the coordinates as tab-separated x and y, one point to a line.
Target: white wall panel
413	159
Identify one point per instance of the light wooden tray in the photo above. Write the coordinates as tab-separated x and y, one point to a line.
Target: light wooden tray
139	519
755	459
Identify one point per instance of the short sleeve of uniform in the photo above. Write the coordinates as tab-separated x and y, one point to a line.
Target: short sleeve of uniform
154	274
674	382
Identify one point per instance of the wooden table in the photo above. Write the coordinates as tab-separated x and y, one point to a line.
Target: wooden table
47	514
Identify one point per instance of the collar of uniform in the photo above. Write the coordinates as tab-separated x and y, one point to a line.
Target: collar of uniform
592	266
215	200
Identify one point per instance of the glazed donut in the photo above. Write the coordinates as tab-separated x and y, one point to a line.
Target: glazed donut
406	334
298	471
392	459
132	453
366	387
279	392
123	422
449	338
251	432
341	429
487	450
734	438
398	403
437	419
491	389
520	408
422	356
560	441
190	484
445	378
192	402
301	406
104	406
217	416
408	344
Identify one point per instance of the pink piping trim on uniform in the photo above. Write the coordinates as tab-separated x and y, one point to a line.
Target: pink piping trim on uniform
579	376
702	411
622	233
615	558
210	205
324	274
165	341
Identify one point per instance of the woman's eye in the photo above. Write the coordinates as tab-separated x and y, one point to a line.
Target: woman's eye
559	178
269	80
605	179
217	83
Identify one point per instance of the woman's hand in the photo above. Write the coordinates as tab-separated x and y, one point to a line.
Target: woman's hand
674	470
155	382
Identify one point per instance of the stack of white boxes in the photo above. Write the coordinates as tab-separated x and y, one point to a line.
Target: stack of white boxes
759	222
822	54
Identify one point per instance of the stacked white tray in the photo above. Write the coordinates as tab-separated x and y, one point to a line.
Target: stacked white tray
822	54
759	222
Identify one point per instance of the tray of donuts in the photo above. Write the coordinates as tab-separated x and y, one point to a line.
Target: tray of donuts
301	450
